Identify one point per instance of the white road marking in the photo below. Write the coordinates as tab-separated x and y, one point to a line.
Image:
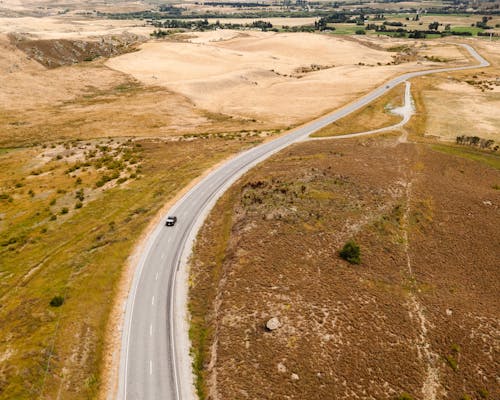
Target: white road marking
153	301
150	367
156	277
151	330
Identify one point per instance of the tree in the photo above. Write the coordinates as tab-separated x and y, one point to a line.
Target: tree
351	252
433	26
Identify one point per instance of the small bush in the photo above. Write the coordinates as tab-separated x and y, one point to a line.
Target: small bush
483	393
78	205
351	252
53	217
64	210
57	301
452	362
404	396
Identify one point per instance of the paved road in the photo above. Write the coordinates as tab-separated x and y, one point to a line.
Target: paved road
154	362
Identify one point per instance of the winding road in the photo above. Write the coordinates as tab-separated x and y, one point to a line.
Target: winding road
154	361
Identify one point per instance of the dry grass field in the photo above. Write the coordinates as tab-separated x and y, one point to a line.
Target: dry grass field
92	148
272	80
374	116
418	316
70	214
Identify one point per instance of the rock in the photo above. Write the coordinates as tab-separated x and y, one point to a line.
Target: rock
281	367
273	324
295	377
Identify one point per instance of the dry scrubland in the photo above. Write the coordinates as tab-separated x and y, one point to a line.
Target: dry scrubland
418	316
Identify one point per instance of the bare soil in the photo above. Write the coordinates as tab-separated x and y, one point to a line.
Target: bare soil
418	316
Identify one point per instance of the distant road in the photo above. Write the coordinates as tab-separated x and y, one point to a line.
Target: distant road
155	364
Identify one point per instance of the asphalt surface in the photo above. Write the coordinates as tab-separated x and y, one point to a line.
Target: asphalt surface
154	360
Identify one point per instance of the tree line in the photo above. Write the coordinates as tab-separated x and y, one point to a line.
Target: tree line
476	141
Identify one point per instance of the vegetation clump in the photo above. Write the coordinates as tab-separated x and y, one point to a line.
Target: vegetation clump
351	252
57	301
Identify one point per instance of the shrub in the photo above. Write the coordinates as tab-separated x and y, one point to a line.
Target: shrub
452	362
79	204
64	210
351	252
404	396
57	301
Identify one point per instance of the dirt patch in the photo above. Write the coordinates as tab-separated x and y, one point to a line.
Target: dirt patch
57	52
422	298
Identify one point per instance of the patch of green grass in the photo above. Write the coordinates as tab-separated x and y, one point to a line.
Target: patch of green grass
488	158
344	29
472	29
404	396
452	362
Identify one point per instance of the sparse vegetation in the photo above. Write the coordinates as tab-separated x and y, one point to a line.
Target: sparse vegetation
78	264
374	116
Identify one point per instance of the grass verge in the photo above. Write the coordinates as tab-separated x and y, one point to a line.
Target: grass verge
491	159
374	116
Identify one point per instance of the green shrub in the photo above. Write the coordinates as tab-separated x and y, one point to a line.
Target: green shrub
404	396
64	210
351	252
452	362
79	204
57	301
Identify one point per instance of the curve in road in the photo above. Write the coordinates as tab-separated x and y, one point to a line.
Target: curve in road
155	362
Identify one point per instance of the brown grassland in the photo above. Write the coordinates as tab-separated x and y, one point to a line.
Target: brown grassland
417	319
419	315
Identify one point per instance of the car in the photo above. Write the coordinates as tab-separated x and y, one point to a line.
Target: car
171	220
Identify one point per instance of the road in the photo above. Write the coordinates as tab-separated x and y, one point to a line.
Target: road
154	360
